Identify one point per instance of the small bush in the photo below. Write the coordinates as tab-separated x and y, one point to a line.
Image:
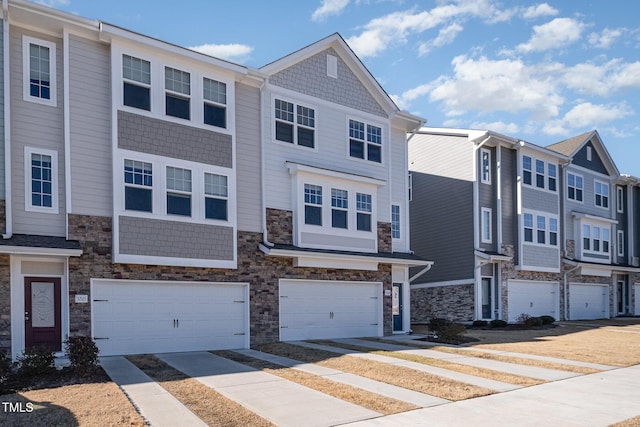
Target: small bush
36	361
548	320
532	322
497	323
451	333
522	318
83	354
438	323
479	323
5	366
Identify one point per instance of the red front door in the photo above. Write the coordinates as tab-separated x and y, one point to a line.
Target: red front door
42	313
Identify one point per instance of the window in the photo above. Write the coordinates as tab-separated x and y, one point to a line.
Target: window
332	66
39	69
365	141
298	128
620	243
553	231
575	187
178	191
177	85
485	156
312	204
215	101
395	221
586	237
216	197
620	199
552	177
596	239
363	211
606	241
138	180
136	73
339	208
589	156
539	174
485	232
528	227
602	194
41	180
541	229
410	189
526	170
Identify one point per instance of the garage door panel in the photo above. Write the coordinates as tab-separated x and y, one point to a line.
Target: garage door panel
588	301
533	299
151	317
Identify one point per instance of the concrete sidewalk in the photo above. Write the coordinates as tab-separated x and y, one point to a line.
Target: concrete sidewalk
280	401
590	400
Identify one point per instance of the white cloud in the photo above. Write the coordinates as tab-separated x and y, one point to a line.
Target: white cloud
603	79
231	52
509	129
404	101
446	36
553	35
328	8
605	39
538	10
587	115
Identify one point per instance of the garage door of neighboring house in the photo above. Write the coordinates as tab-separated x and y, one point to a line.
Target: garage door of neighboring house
155	317
532	298
588	301
329	309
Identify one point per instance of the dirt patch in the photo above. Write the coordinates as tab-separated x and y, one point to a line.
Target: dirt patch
375	402
212	407
59	400
395	375
632	422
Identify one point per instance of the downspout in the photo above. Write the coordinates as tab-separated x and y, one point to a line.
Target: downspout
420	273
263	178
7	122
67	130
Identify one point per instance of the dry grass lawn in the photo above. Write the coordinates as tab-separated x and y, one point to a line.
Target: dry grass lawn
212	407
632	422
608	342
375	402
395	375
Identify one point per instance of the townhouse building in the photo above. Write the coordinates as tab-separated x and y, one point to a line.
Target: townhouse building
499	218
158	199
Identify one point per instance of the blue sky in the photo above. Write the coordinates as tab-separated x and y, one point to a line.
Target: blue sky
538	71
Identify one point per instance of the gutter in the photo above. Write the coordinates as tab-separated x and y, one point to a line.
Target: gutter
7	122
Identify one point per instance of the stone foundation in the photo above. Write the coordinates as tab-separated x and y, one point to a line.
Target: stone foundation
448	302
280	226
5	304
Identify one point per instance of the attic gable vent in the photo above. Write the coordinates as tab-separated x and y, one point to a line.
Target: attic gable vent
332	66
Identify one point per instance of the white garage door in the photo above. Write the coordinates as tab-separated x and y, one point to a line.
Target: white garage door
588	301
637	297
329	309
156	317
532	298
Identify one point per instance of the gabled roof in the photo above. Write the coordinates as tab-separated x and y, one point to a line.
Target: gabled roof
570	147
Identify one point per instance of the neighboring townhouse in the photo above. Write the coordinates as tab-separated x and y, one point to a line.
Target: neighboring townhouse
158	199
514	228
600	257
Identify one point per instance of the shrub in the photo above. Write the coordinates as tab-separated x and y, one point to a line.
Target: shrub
5	366
36	361
497	323
438	323
479	323
533	322
83	354
522	318
452	332
548	320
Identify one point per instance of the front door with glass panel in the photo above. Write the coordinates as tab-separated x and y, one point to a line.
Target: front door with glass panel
396	304
622	295
489	298
42	310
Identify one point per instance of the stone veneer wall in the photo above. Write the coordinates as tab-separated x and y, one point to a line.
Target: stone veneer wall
280	226
260	271
385	242
449	302
5	303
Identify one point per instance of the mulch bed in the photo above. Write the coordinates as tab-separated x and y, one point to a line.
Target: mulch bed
54	379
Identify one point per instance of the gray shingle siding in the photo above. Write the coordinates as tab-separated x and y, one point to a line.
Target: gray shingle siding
539	200
509	197
310	77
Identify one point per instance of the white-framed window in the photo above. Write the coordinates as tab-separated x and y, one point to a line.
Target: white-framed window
365	141
575	187
214	94
540	228
410	187
339	208
485	231
41	180
178	191
485	161
312	204
177	84
136	74
552	177
589	155
363	211
395	221
216	196
596	239
601	193
39	71
526	170
620	199
539	173
620	242
138	185
294	123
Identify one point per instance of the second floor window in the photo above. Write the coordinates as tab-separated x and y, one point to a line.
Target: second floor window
541	229
312	204
395	221
215	196
41	180
339	208
215	101
575	187
365	141
485	156
620	199
363	210
138	184
295	124
526	170
178	191
595	239
177	84
601	194
136	73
